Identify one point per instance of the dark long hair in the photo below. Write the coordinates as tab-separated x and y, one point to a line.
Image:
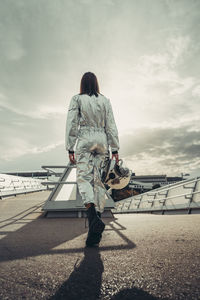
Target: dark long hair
89	84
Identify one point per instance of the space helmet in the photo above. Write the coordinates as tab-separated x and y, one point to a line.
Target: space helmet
114	175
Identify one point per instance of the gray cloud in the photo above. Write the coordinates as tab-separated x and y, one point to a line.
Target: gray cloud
166	141
170	149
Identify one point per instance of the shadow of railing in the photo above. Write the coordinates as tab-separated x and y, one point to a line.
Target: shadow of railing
40	236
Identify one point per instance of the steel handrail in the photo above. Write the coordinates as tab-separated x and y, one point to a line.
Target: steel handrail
167	189
167	198
176	185
188	195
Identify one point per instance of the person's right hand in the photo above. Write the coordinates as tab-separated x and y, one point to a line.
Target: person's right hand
72	158
116	156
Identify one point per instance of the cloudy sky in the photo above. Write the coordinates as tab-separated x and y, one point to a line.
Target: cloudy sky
146	56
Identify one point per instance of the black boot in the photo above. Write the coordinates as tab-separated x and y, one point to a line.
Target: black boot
96	227
100	234
99	214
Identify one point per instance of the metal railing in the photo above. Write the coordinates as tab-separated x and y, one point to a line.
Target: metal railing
63	178
178	196
11	185
65	199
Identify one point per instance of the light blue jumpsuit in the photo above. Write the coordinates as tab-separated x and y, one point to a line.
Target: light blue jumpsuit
91	126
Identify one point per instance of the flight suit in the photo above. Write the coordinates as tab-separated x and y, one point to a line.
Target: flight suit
91	129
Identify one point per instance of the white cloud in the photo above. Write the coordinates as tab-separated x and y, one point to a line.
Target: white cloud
41	111
11	41
156	92
196	91
182	85
92	2
183	9
170	164
161	68
21	148
177	48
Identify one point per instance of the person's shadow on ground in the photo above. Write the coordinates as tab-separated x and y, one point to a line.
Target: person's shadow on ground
85	282
134	294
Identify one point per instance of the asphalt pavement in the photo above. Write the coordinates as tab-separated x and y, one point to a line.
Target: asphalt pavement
141	256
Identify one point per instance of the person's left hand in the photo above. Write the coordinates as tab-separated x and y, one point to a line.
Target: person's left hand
72	158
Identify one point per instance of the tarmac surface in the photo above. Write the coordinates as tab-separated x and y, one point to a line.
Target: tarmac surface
141	256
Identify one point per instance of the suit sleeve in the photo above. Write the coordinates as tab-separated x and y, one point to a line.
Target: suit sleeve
111	129
72	124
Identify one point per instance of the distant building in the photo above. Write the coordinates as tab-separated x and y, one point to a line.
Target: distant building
148	182
140	186
171	180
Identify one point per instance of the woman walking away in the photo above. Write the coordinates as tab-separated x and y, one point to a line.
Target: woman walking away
91	126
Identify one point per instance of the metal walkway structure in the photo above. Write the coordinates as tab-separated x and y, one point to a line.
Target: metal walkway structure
65	200
175	198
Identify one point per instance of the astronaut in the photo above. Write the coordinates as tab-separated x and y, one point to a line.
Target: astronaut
92	131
